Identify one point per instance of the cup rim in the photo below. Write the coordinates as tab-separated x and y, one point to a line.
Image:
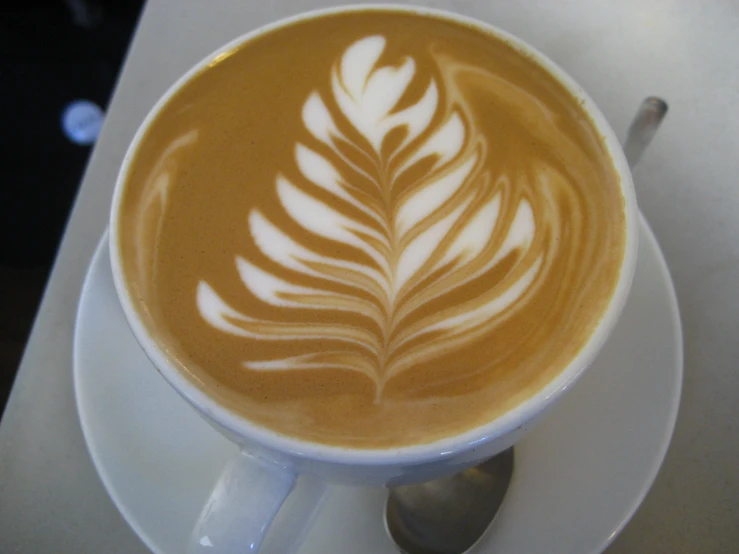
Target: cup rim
508	422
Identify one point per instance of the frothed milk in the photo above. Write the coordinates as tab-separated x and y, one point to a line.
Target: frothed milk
372	229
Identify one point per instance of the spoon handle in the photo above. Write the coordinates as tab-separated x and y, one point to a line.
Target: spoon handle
643	127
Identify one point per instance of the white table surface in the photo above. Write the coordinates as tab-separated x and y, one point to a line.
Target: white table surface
686	51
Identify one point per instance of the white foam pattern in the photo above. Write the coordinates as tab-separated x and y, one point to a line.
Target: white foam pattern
445	229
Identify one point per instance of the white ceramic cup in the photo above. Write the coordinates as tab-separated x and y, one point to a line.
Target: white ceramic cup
258	480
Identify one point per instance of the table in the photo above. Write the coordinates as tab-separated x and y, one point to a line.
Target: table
51	499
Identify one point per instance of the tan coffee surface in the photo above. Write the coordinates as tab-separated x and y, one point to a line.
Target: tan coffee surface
372	229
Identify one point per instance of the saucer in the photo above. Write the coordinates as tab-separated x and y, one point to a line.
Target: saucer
579	476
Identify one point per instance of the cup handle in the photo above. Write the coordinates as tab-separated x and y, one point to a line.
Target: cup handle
241	507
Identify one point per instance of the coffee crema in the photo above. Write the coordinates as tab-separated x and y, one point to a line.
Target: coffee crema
372	229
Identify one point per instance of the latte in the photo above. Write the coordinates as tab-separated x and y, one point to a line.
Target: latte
372	229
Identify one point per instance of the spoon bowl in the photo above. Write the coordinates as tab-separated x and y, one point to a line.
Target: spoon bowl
448	515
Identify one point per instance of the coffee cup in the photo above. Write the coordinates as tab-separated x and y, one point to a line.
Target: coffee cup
372	245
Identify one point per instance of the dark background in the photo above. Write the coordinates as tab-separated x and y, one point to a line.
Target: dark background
51	53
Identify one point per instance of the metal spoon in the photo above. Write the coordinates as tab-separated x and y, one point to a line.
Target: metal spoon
643	127
449	515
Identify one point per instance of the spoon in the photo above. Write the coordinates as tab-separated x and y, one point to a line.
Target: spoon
450	514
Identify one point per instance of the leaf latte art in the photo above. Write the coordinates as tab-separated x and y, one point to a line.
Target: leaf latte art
372	229
426	217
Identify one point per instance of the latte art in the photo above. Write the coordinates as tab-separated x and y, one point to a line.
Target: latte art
371	229
421	210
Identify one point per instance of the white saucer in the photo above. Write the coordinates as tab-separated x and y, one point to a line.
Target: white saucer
579	476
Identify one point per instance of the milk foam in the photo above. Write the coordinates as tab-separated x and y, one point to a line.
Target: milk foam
452	226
